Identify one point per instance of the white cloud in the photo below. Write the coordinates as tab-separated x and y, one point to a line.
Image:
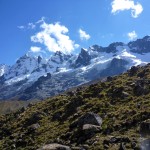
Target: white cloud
28	26
121	5
41	20
76	46
84	35
21	27
54	37
35	49
132	35
31	26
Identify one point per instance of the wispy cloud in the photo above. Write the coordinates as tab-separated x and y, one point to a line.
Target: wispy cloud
132	35
21	27
35	49
83	35
121	5
30	25
41	20
54	37
107	35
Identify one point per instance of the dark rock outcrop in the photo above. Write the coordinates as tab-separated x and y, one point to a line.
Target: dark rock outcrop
90	118
33	127
145	144
89	130
133	71
115	67
83	59
140	45
142	87
145	128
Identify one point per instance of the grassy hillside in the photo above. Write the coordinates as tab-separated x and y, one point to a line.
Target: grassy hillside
13	105
123	103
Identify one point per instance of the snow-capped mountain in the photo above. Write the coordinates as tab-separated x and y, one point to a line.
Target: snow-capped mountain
32	67
3	69
37	77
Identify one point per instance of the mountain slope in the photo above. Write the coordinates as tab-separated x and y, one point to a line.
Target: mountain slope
122	102
3	69
38	77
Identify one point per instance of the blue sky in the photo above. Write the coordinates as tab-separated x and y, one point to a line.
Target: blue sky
68	25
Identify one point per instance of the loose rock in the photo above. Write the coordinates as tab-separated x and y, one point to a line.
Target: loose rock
54	146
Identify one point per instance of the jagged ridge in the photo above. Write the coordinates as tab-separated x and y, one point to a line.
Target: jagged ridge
26	79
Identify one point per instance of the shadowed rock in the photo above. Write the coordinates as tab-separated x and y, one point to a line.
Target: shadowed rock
90	118
145	144
145	128
33	127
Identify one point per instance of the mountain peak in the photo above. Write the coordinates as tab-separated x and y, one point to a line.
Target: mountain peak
83	50
71	70
59	57
146	38
140	45
83	58
58	53
95	47
39	59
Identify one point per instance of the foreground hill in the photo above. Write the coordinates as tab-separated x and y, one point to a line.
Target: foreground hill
113	115
39	77
14	105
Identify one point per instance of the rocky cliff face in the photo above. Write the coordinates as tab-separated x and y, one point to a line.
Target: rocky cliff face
30	74
83	59
140	46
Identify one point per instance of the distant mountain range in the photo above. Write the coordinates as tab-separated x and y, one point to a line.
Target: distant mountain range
37	77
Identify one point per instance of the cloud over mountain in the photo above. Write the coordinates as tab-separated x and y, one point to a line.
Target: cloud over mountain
35	49
83	35
55	37
132	35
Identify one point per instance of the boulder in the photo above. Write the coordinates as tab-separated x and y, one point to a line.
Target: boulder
125	94
90	118
33	119
133	71
141	87
30	105
141	74
57	116
139	90
133	145
33	127
145	127
145	144
54	146
86	127
21	143
91	128
77	148
22	109
122	147
114	140
109	78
